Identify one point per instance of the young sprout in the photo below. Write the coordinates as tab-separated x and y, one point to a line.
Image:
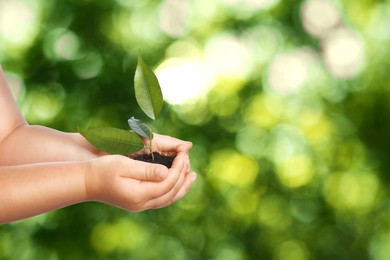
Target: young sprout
149	98
142	130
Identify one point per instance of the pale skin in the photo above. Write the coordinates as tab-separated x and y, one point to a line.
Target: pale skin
43	169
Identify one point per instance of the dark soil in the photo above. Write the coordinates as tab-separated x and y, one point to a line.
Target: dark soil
158	158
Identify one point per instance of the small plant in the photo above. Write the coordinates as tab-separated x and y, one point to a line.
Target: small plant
149	97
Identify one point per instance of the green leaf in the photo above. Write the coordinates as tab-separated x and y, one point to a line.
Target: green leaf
147	89
114	140
140	128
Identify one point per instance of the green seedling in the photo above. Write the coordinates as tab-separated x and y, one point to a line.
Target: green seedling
149	98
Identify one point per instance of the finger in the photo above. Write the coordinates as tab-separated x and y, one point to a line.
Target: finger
145	171
167	198
181	148
174	174
190	180
180	189
137	198
168	143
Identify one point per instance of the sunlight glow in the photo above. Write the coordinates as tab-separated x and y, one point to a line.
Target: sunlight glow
138	28
224	103
61	44
319	17
289	71
380	22
247	8
124	234
343	53
19	22
43	105
238	170
204	13
296	171
227	57
352	191
271	107
263	41
66	46
243	201
174	17
181	79
255	4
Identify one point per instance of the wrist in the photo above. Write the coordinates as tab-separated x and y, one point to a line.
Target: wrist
89	182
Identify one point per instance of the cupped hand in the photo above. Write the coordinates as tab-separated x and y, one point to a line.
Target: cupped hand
170	145
136	186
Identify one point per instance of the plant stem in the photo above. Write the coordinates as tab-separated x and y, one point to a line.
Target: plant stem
151	145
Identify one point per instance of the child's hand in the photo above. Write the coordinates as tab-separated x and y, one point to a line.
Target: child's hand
170	145
134	185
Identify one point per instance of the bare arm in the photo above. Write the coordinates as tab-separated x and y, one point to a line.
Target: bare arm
32	144
29	190
21	143
44	169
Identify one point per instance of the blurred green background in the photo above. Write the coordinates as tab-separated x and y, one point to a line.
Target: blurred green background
287	104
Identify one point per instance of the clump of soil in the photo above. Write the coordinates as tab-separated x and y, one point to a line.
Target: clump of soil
158	158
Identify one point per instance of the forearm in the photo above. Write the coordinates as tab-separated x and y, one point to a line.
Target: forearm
29	190
33	144
22	144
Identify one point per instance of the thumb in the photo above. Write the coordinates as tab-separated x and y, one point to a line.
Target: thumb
146	171
155	172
